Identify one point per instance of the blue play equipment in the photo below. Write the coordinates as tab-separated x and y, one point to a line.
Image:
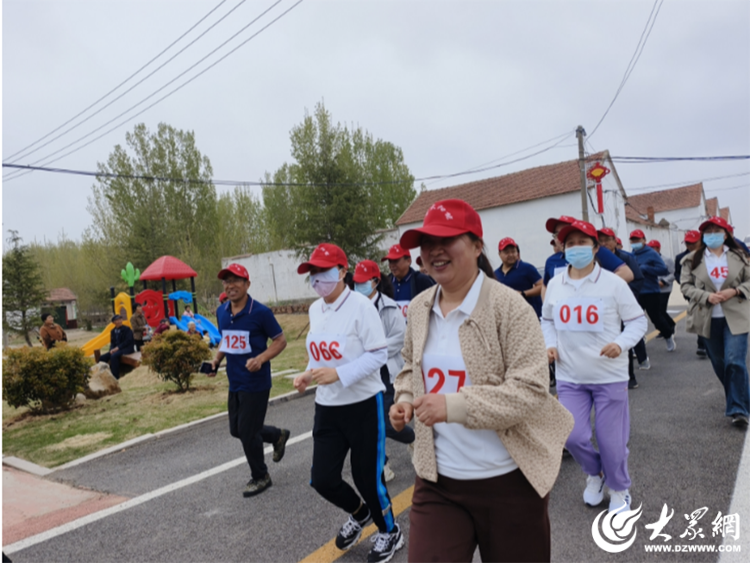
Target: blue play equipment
202	324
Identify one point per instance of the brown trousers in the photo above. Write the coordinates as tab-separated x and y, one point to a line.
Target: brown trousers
502	515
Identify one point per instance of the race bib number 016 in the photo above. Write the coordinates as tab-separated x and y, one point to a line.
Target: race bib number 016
579	314
325	349
235	342
444	374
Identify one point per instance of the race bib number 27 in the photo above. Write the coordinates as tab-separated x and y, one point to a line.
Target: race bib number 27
579	314
444	374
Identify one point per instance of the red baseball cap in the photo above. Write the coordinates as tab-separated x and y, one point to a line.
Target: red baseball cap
606	231
654	244
507	241
236	270
445	218
396	252
637	234
692	237
419	260
325	255
619	241
223	296
365	271
719	222
552	222
582	226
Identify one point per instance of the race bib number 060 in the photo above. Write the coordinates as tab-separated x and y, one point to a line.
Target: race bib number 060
235	342
579	314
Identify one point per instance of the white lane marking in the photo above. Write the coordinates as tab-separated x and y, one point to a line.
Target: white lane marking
83	521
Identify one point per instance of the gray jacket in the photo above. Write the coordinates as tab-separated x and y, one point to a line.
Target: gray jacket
697	285
395	329
668	280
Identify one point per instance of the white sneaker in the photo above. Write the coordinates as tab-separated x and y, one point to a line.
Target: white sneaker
645	364
593	494
671	344
619	500
388	473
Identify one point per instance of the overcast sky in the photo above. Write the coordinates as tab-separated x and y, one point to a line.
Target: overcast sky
455	84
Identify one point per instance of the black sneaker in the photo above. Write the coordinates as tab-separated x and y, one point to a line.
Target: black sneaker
256	487
632	384
740	420
350	532
386	545
701	352
280	447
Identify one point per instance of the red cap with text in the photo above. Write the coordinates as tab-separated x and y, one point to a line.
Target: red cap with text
396	252
552	222
507	241
692	237
654	244
606	231
235	270
637	234
326	256
445	218
718	221
581	226
619	241
365	271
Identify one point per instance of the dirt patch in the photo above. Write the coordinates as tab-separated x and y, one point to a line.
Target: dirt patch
80	441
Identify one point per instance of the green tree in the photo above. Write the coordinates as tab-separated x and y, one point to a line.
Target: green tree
342	187
23	290
242	228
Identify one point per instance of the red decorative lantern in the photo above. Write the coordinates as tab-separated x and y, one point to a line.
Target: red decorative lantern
596	173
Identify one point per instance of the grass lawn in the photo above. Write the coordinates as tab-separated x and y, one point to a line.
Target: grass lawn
146	405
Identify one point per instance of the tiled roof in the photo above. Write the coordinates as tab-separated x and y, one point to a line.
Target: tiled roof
632	215
61	294
667	200
712	207
724	213
535	183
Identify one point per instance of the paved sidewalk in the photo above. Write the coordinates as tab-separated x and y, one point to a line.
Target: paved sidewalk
32	504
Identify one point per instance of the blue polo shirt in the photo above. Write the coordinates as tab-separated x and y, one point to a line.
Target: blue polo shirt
522	277
402	288
258	322
557	261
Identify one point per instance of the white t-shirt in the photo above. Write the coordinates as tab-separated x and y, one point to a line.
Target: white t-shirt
347	335
462	453
717	268
580	321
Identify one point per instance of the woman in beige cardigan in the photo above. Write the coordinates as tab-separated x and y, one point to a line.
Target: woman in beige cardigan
716	280
489	435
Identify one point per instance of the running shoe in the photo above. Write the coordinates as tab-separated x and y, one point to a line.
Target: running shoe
645	364
619	500
350	532
632	384
740	420
280	447
388	473
255	487
593	494
386	545
701	352
671	344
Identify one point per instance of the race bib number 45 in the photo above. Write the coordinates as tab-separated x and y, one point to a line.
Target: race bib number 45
235	342
444	374
579	314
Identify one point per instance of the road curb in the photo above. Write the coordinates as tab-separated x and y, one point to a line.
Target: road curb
38	470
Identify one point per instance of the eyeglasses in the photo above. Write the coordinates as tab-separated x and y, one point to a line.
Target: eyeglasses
233	281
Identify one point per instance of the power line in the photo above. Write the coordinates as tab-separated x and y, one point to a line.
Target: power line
6	178
125	81
634	59
657	159
688	182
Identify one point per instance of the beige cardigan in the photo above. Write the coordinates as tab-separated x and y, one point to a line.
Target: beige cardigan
696	285
505	356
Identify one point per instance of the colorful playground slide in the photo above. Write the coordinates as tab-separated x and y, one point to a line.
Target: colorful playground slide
201	323
122	306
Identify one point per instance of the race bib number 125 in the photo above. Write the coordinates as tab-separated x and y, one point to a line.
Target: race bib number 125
235	342
579	314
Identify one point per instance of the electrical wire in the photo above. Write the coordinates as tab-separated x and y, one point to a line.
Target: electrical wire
656	159
688	182
172	44
6	178
634	59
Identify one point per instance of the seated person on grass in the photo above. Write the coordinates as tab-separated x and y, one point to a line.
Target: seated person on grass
51	332
121	344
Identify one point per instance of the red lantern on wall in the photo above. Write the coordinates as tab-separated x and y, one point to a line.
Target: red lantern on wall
596	173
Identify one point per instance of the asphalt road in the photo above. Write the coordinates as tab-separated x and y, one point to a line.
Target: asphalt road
683	452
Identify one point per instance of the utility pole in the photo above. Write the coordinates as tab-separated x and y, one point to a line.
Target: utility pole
580	132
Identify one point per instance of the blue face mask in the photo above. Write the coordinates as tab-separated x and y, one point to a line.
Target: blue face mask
636	245
579	256
713	240
363	288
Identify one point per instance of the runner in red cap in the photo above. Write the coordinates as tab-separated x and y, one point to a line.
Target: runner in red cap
246	326
652	266
692	243
407	283
519	275
475	365
346	347
590	318
368	282
716	280
666	283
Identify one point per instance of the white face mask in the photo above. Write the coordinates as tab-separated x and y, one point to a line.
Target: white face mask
325	282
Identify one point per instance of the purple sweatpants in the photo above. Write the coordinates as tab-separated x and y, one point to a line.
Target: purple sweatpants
612	420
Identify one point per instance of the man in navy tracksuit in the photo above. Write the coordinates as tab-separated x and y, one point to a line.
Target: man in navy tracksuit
121	344
652	266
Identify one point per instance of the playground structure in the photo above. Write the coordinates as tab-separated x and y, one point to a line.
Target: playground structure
156	305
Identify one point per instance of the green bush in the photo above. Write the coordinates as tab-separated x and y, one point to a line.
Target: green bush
175	356
42	380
